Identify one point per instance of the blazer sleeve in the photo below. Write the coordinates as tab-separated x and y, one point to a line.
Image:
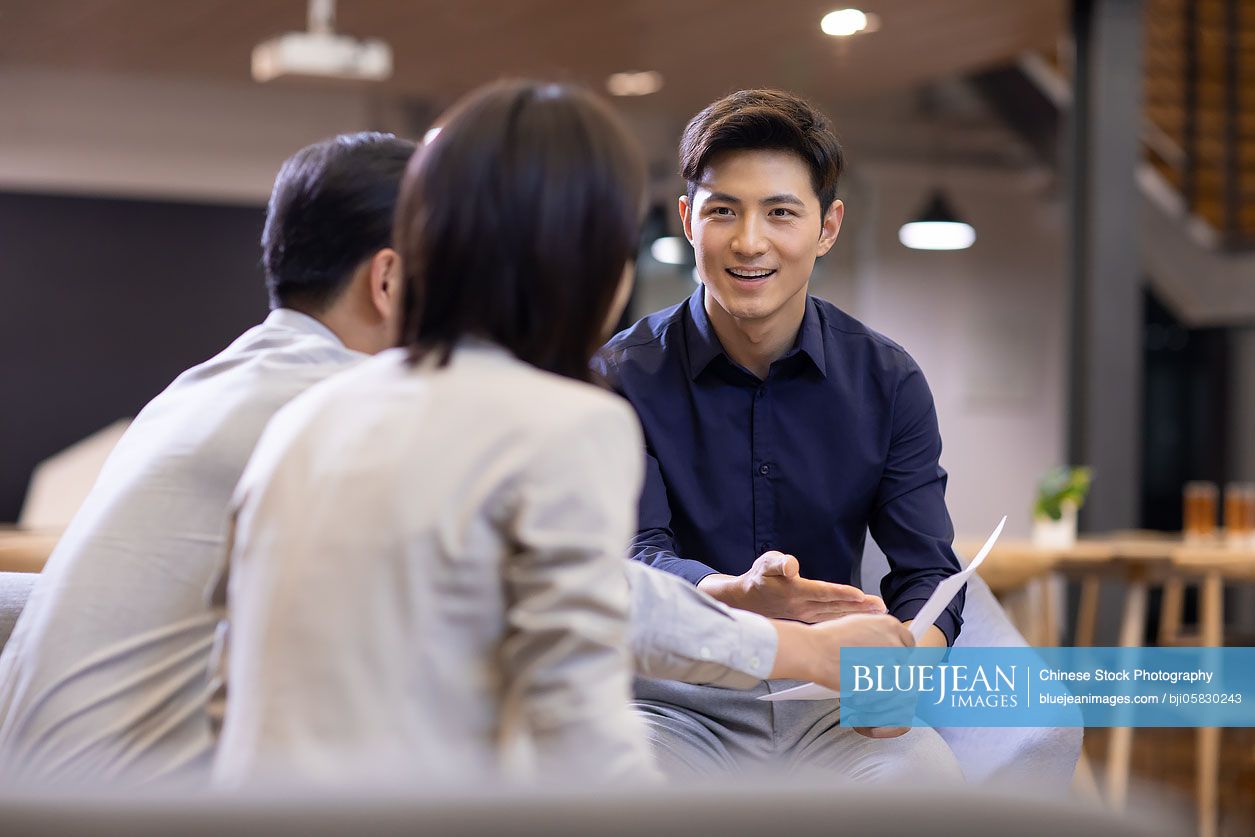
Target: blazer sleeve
678	632
565	655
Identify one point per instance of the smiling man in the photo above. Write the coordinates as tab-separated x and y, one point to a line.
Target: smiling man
779	430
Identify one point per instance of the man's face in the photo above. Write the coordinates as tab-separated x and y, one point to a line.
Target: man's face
756	227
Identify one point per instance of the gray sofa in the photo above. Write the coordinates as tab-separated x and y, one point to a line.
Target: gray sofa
777	807
15	589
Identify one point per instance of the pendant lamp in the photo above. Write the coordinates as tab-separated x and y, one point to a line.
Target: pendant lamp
937	227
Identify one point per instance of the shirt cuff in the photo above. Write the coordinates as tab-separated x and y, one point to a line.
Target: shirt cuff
691	571
753	658
946	622
728	648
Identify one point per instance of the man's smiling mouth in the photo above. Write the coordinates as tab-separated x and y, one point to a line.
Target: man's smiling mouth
748	275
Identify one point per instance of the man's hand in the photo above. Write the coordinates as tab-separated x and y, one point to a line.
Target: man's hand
813	652
774	588
933	638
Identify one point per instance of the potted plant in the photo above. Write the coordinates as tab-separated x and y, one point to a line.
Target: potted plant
1060	494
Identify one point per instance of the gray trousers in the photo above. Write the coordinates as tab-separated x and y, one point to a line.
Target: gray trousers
704	731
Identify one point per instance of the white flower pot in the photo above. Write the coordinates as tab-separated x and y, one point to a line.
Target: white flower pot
1056	534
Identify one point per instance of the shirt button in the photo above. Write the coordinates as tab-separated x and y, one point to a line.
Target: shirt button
706	655
764	469
753	662
761	393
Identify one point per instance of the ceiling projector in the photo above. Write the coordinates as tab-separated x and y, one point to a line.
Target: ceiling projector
321	53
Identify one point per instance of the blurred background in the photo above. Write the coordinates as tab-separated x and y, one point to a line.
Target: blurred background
1096	161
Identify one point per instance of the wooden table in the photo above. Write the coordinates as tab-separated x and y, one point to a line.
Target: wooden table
1140	559
1016	564
1137	559
1012	572
25	550
1213	564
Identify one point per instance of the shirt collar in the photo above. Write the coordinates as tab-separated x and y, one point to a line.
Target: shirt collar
294	320
703	344
810	337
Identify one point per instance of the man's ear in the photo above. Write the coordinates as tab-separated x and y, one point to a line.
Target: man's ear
686	217
385	282
831	227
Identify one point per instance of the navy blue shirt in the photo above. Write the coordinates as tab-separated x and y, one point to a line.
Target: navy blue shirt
840	438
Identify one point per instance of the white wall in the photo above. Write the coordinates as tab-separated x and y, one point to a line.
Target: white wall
160	138
987	325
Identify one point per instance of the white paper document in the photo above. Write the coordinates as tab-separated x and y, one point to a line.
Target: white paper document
925	619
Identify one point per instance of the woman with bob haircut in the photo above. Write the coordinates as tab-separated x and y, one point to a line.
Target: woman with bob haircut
427	577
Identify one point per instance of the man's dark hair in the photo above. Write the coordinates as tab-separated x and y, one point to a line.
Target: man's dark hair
764	120
331	209
515	223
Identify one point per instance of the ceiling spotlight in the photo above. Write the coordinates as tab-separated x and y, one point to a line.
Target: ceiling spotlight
670	249
937	227
634	84
844	23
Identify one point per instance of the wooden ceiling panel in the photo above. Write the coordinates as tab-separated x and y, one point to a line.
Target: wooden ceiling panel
702	47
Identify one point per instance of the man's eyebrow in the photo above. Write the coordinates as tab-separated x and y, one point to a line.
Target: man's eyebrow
784	197
723	196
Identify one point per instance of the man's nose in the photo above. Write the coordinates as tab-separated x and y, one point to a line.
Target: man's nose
749	240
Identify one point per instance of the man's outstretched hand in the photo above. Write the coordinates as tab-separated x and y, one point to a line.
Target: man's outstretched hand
813	652
773	587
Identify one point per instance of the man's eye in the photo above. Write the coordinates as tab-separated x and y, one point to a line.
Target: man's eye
721	210
781	212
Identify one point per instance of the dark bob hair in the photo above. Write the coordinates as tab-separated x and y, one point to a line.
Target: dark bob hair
331	210
515	223
764	120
